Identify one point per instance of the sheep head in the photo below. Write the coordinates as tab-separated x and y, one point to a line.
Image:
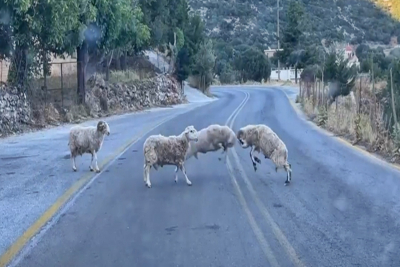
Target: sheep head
103	127
241	136
191	133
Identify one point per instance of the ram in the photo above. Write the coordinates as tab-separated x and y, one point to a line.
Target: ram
87	139
212	138
263	139
162	150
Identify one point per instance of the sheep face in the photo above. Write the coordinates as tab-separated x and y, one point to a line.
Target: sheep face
191	134
103	127
241	136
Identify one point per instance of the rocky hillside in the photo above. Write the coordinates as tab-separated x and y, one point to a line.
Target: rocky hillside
255	21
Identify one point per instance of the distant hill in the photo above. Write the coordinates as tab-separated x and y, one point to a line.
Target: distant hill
255	22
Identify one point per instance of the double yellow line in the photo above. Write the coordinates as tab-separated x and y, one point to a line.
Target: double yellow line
264	211
20	243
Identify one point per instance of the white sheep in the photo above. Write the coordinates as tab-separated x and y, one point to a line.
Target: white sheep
162	150
212	138
263	139
89	140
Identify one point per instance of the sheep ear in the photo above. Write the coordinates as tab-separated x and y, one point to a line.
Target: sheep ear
100	125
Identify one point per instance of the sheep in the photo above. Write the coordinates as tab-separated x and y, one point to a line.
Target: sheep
263	139
212	138
87	140
162	150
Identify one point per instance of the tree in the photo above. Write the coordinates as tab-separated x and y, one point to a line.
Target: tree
253	64
204	64
394	9
5	34
194	37
108	21
341	76
122	28
291	36
36	30
182	69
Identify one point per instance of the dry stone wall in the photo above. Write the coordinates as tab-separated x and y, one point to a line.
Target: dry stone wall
16	114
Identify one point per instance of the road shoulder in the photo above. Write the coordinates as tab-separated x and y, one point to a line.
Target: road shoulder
291	96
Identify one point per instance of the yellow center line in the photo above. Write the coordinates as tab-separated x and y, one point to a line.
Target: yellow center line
20	243
267	216
256	229
266	248
275	228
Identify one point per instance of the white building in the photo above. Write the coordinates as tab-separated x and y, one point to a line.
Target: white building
286	74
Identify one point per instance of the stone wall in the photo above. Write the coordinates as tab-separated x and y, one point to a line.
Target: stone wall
136	95
14	110
18	115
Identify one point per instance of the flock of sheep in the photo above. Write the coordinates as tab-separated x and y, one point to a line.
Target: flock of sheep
174	150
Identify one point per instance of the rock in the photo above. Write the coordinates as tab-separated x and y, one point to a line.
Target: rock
101	99
157	91
15	111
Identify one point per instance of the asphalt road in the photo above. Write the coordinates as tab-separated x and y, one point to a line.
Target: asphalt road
35	168
341	208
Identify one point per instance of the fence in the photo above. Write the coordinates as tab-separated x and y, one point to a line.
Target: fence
359	116
61	86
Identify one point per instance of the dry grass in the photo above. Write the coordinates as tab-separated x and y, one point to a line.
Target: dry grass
123	76
342	118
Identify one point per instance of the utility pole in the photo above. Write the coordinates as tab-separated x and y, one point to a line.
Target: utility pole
277	33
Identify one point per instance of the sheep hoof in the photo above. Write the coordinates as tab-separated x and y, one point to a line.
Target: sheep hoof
97	170
287	183
148	185
189	183
91	169
74	169
254	166
257	160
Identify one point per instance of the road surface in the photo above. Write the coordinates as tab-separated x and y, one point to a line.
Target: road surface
341	209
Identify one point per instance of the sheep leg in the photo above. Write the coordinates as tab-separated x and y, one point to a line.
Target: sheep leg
147	175
288	169
95	162
91	164
73	162
176	174
144	174
188	182
223	151
253	160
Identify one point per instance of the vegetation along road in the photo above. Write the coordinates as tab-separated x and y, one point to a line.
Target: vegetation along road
341	208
